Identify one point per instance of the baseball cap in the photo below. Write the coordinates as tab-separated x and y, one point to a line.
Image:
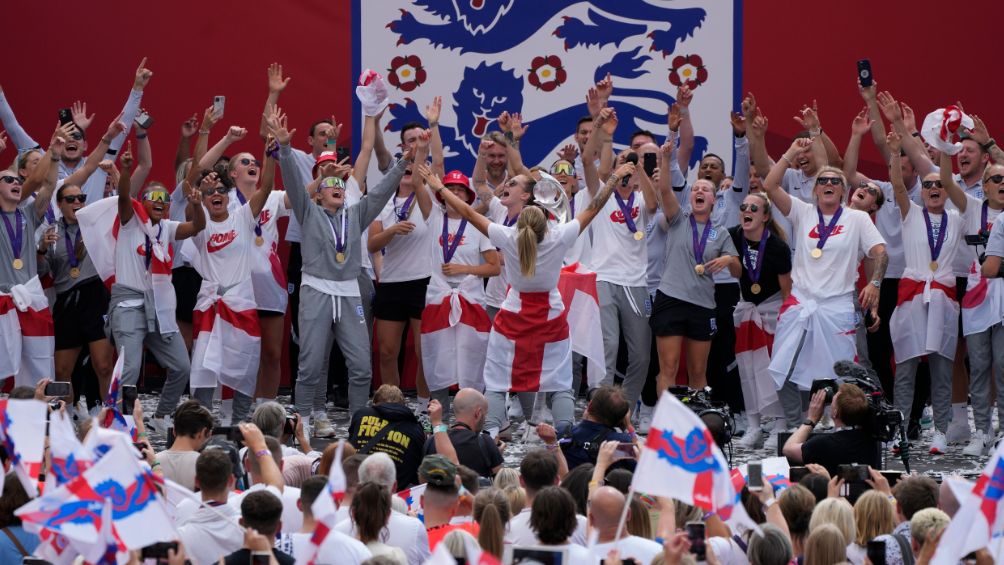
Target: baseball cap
438	471
325	157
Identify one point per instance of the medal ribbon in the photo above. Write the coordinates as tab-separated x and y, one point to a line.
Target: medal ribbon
243	201
71	246
149	245
825	231
626	210
935	247
339	237
699	245
404	211
753	271
450	247
17	237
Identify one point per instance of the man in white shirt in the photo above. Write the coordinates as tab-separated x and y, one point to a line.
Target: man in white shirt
605	507
538	470
212	531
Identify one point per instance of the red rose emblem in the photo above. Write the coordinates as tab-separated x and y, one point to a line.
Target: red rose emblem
688	70
406	73
546	73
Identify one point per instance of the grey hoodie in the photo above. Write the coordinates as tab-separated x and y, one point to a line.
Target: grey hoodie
317	242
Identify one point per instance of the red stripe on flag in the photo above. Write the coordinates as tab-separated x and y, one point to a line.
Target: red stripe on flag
750	337
909	288
34	323
530	331
789	302
246	320
436	317
976	295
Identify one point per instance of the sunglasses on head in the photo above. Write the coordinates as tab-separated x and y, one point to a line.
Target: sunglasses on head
931	184
9	179
561	169
833	181
75	198
331	182
996	179
217	190
155	196
245	161
751	207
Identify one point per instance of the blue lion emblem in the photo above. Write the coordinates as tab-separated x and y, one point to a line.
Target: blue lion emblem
693	453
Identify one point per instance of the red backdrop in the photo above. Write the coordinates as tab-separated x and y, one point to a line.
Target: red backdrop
927	56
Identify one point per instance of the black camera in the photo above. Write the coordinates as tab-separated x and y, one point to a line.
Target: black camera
884	420
716	415
289	426
829	385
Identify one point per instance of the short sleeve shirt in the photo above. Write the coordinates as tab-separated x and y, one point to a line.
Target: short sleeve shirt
776	261
680	279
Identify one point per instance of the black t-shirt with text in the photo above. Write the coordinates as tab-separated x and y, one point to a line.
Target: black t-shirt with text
403	439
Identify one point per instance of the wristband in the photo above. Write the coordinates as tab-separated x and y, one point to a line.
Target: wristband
808	422
441	428
770	502
552	446
141	135
990	143
142	435
915	134
203	132
155	464
786	159
262	453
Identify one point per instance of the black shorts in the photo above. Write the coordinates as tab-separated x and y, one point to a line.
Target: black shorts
399	301
79	314
672	317
187	282
270	314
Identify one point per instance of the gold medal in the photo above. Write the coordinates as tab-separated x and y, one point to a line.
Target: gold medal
639	235
17	264
259	241
340	257
74	272
755	288
816	253
699	269
934	265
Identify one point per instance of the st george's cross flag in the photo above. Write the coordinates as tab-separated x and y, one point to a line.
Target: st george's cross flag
227	344
113	418
979	523
326	507
455	330
22	431
413	498
578	291
26	334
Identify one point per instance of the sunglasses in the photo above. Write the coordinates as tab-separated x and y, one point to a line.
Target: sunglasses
77	135
870	189
217	190
331	182
996	179
833	181
512	182
155	196
751	207
245	161
75	198
10	179
562	169
931	184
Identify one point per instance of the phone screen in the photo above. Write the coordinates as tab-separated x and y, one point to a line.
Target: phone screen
755	477
865	72
876	552
65	116
695	532
129	393
57	389
649	163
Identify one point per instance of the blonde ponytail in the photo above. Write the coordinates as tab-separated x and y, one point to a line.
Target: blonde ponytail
530	229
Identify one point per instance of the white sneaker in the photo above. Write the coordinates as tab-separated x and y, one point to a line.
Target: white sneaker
160	425
742	426
323	427
979	445
958	432
770	443
939	443
645	419
515	410
751	439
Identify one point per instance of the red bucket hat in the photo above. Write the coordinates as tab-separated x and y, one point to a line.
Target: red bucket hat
458	178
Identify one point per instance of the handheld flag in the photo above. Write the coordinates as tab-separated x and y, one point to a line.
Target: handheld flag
22	431
979	523
326	505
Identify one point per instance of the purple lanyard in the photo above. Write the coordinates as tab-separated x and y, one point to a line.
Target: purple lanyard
935	246
243	201
571	204
71	246
404	211
753	270
16	237
824	232
983	217
508	222
699	245
450	247
339	237
626	209
149	245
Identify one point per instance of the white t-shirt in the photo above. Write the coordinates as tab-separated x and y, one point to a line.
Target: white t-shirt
403	531
889	221
472	244
520	533
974	223
336	549
292	517
226	248
583	247
268	218
130	252
917	252
798	185
550	254
496	288
407	255
835	272
642	550
616	252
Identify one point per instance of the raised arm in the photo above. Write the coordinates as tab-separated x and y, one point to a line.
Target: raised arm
22	141
955	192
772	184
861	124
100	153
268	165
209	119
276	84
383	155
198	220
432	112
912	145
980	135
131	108
667	167
586	216
480	178
255	440
188	130
362	163
513	128
740	142
893	142
684	96
868	94
421	194
49	176
145	158
604	126
480	222
756	129
234	134
124	197
38	177
826	152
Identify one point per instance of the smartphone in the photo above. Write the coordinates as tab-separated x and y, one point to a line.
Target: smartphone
869	320
232	433
649	162
795	474
159	550
35	561
289	426
144	120
261	557
876	552
755	472
129	393
892	477
854	473
342	153
625	450
57	389
695	533
865	72
65	116
219	102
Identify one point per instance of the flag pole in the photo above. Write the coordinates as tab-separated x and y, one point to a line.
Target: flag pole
624	513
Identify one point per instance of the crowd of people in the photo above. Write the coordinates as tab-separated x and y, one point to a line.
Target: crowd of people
763	293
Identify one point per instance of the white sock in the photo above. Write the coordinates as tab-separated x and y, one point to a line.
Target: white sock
318	414
423	404
959	414
752	421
